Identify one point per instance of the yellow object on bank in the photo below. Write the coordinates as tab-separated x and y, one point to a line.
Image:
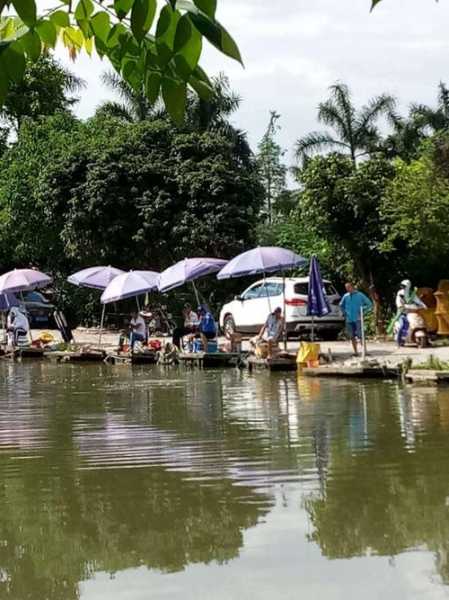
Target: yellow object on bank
309	352
46	337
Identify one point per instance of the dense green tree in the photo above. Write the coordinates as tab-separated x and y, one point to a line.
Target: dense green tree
273	172
47	87
134	195
414	212
354	132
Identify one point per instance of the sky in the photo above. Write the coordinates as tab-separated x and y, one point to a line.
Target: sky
294	50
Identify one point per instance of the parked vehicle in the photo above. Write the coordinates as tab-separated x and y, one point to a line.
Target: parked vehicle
38	308
417	333
247	312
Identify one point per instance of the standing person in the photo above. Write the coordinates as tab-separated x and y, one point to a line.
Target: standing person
138	329
190	325
351	304
16	325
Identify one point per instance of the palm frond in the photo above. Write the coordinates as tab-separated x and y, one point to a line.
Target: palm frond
316	142
330	115
342	97
115	109
376	107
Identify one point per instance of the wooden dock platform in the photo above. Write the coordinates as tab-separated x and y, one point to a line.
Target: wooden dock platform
77	356
209	360
369	372
281	363
426	376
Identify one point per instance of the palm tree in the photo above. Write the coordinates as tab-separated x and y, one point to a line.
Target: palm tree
356	131
46	88
437	119
134	106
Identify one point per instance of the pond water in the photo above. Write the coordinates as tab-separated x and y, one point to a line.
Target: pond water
130	484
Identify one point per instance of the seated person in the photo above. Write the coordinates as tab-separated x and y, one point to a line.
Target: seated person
17	326
190	326
207	328
272	329
138	329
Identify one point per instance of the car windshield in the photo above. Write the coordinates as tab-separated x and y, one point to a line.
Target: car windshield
34	297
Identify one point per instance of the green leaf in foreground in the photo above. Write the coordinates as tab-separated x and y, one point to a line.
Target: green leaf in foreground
174	94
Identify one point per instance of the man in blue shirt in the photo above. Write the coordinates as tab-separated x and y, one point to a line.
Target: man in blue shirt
351	305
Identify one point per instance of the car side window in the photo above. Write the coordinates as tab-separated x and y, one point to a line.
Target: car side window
302	289
254	292
272	289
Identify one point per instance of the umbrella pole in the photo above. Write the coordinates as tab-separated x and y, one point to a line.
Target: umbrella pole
313	329
362	327
101	323
283	310
196	294
138	303
268	295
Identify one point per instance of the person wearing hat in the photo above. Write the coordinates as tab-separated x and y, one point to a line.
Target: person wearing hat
272	329
405	297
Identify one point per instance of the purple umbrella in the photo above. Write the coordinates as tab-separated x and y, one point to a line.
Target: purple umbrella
261	260
317	305
23	280
129	285
97	278
188	269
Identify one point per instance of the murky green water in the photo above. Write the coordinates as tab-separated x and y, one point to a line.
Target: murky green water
120	484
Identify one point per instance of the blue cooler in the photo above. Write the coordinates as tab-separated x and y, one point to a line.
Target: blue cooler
212	346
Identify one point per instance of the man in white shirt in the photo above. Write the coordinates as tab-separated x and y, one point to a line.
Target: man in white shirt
17	325
138	329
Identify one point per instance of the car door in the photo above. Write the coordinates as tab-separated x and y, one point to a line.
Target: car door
247	316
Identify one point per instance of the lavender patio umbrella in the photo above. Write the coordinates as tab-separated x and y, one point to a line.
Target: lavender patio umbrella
268	259
187	270
23	280
317	305
129	285
97	278
263	260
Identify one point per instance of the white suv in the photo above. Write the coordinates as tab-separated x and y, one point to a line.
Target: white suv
248	312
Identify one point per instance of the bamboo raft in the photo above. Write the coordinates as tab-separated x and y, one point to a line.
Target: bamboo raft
278	363
210	360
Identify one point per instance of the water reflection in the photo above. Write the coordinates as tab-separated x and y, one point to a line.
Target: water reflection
106	470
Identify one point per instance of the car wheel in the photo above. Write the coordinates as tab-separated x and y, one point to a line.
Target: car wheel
229	325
